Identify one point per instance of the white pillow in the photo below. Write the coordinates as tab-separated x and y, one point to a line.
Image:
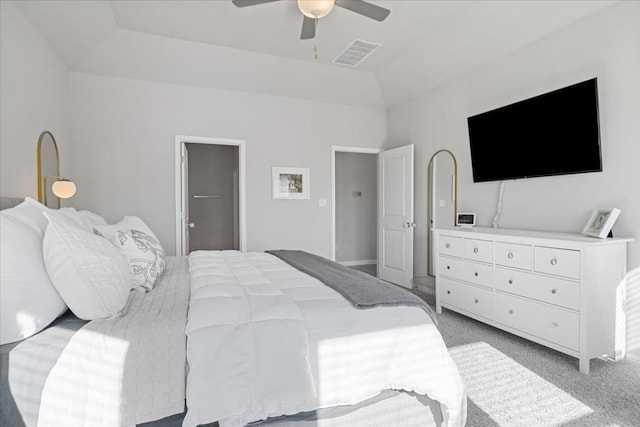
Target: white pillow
140	246
28	300
92	218
91	275
30	212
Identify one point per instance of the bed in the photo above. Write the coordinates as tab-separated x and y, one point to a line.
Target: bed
239	339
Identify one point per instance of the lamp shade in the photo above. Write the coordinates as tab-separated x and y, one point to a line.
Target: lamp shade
315	8
63	189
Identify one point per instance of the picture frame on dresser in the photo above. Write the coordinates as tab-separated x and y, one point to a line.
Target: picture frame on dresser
601	222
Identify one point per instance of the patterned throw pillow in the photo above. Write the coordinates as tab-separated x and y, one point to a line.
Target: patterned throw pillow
146	257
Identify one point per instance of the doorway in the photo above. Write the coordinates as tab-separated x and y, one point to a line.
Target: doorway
356	195
355	201
209	194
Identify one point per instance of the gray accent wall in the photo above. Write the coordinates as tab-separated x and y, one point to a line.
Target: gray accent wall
356	206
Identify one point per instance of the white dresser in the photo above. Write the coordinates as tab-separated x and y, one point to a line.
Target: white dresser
564	291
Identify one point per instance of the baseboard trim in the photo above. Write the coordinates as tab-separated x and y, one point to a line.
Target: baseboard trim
632	359
361	262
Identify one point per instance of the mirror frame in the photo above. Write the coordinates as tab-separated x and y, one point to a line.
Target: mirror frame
430	196
42	196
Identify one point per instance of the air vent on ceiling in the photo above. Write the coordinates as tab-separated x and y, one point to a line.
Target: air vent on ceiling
355	53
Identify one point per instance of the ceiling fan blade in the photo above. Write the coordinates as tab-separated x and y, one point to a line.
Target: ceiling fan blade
308	28
244	3
364	8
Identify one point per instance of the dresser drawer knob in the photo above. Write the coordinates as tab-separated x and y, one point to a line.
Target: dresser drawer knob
448	267
511	311
554	291
475	250
511	281
510	255
476	300
448	292
554	261
475	274
555	325
448	246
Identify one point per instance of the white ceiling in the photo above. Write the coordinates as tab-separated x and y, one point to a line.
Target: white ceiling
258	49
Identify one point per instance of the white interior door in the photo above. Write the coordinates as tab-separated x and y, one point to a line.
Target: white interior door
395	215
184	204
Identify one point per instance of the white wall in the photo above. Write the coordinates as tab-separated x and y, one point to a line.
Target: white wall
356	217
606	46
123	133
34	96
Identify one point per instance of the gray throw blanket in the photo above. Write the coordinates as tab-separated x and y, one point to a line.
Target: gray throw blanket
360	289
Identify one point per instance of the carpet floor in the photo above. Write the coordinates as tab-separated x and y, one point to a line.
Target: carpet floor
514	382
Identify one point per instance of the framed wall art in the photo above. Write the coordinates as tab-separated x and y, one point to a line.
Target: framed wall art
290	183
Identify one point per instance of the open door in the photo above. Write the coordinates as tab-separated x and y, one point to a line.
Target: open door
395	215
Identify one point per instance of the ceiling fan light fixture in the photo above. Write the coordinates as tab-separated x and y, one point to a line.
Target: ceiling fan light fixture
315	8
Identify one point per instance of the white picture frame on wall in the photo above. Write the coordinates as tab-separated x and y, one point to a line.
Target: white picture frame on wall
290	183
601	222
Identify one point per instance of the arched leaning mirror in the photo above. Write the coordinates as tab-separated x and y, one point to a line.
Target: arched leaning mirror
48	169
442	196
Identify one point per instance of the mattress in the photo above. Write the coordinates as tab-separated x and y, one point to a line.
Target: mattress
123	371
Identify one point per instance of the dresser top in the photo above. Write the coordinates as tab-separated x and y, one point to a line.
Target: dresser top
493	233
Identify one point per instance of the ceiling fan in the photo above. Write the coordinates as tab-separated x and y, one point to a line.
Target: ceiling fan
316	9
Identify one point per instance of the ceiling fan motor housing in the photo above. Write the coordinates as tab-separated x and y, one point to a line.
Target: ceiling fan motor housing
316	8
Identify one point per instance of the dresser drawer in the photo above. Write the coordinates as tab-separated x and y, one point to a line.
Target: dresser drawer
556	325
554	291
481	274
466	297
478	250
514	255
560	262
453	246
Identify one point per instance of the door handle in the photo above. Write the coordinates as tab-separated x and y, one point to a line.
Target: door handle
192	224
206	197
409	224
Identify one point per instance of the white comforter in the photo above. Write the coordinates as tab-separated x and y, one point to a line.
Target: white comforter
264	339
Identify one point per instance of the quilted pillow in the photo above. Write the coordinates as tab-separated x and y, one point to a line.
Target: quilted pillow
90	274
140	246
29	301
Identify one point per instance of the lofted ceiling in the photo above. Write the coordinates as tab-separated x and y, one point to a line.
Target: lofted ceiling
212	43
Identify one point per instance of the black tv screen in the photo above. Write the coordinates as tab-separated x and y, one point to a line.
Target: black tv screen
555	133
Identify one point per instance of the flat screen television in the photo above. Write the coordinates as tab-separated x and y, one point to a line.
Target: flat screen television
556	133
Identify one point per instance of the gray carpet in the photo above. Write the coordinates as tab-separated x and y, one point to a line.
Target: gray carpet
514	382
